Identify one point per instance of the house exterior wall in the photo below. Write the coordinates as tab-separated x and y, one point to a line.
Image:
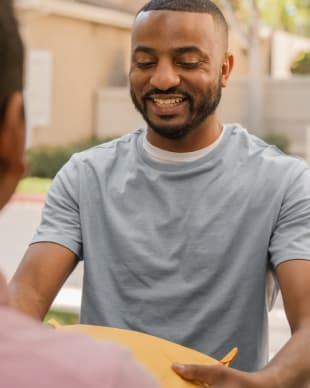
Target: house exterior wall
85	56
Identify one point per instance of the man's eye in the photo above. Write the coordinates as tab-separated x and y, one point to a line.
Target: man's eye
189	65
145	65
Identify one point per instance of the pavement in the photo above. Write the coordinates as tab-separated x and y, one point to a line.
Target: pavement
18	221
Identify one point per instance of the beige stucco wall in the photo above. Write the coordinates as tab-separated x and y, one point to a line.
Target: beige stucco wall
85	57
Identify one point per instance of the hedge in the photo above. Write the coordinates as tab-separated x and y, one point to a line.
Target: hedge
45	161
279	140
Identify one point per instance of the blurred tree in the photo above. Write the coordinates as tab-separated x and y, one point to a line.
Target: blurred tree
289	15
246	17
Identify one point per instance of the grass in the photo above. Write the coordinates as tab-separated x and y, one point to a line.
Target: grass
33	185
62	318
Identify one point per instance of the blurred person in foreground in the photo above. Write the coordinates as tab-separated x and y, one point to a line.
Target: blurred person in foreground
179	224
32	355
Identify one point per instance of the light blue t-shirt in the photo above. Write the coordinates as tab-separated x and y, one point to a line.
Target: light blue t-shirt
182	251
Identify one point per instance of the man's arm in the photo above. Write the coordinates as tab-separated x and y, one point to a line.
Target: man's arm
42	272
290	368
292	364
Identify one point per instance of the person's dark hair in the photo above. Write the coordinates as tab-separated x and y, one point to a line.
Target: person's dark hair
199	6
11	55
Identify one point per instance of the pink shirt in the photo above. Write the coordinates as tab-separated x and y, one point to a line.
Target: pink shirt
35	356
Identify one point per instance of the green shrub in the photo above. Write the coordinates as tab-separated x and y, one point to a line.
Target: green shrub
279	140
45	161
301	63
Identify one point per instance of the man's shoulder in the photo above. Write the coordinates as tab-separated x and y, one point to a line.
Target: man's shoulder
263	160
256	147
112	147
118	148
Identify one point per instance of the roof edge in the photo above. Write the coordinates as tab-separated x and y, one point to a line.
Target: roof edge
76	10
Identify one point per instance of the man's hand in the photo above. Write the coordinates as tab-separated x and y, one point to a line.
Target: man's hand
217	376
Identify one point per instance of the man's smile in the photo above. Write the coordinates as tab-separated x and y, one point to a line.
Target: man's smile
166	105
168	102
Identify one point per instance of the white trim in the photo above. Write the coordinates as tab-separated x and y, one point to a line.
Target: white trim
79	11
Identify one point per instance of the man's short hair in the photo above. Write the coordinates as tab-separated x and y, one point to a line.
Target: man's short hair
11	55
199	6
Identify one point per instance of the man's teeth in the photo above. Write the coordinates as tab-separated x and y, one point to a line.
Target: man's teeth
168	102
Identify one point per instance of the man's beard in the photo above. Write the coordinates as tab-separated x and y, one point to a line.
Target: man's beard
205	107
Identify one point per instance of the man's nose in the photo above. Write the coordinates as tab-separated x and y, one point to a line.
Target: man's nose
165	76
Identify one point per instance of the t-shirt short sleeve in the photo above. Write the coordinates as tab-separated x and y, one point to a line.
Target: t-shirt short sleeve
60	222
291	236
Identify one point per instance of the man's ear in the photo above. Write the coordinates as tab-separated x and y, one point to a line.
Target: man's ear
12	136
227	67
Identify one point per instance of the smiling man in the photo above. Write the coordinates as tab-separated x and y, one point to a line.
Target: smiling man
178	104
180	223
